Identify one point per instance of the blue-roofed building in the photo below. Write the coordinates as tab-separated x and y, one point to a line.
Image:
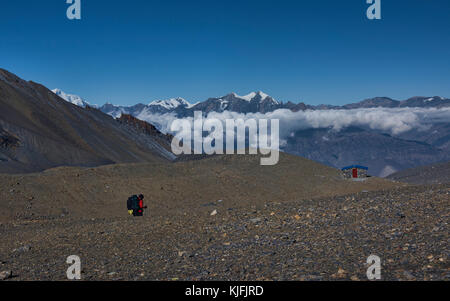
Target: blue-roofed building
355	171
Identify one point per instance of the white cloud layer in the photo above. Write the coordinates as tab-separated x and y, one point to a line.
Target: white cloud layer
394	121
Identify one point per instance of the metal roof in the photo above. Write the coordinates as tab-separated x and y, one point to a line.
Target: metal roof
355	166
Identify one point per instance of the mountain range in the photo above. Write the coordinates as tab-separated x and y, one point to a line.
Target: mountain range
255	102
39	130
382	152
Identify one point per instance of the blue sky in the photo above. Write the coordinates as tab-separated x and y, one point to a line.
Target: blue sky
324	51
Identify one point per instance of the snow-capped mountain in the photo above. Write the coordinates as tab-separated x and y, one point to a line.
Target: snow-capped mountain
259	102
154	107
250	103
170	104
254	102
259	96
75	99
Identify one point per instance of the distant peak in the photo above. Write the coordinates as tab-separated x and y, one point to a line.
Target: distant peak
253	95
171	103
74	99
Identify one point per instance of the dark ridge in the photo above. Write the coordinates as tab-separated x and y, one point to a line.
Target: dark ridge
141	125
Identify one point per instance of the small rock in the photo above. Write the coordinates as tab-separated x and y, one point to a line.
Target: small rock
5	275
314	277
214	213
408	275
255	220
23	249
401	215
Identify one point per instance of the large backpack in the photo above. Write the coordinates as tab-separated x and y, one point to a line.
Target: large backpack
133	202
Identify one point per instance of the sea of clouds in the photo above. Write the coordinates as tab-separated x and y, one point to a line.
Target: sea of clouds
393	121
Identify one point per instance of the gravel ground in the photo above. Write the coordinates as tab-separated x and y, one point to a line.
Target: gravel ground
320	239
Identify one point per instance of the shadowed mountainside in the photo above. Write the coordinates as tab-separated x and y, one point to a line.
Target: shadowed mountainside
39	130
382	153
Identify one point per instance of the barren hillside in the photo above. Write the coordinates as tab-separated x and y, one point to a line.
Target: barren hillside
39	130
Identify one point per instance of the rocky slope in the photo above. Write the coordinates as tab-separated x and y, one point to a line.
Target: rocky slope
320	239
221	218
93	192
39	130
431	174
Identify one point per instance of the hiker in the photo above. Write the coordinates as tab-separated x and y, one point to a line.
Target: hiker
135	205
